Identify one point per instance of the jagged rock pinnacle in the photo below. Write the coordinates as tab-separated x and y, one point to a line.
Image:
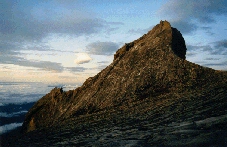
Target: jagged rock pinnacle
162	33
150	66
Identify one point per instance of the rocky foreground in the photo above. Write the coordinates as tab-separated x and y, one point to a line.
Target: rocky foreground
150	95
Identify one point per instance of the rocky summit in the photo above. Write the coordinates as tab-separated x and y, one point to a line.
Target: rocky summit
150	95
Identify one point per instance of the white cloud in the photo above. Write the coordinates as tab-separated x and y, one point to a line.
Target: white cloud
12	114
30	24
44	65
82	58
8	127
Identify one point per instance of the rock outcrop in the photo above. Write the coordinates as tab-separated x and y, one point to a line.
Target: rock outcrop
152	65
148	82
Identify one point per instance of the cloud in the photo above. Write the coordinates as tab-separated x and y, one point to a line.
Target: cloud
199	48
191	47
102	48
35	47
29	21
75	69
44	65
217	49
205	28
140	31
9	49
12	114
11	54
224	64
38	20
101	67
25	25
184	26
82	58
202	10
190	54
184	12
221	44
103	62
212	59
208	30
220	47
214	48
8	127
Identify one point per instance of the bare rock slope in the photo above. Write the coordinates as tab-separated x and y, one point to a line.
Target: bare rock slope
149	95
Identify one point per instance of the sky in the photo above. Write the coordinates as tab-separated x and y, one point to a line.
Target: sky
67	41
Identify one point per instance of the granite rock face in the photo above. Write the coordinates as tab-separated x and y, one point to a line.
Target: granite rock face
140	68
151	65
149	85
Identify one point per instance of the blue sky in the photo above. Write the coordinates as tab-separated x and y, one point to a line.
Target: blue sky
67	41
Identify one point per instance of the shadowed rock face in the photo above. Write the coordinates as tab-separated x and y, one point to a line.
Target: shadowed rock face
148	85
178	44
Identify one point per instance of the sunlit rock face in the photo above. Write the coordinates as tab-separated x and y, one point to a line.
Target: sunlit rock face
149	88
134	73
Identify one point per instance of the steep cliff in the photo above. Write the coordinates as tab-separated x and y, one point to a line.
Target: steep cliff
149	79
147	67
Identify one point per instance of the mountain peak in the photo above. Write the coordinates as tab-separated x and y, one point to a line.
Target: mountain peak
161	35
148	68
165	24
